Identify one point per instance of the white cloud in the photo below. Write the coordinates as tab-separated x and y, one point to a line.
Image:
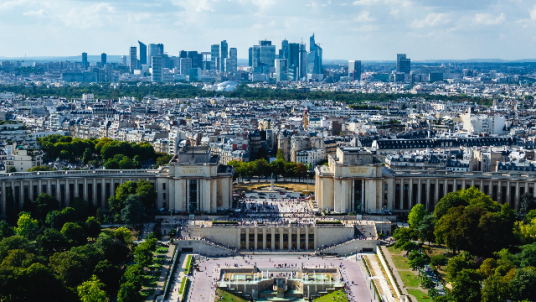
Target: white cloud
365	2
87	17
364	17
433	19
533	13
35	13
488	19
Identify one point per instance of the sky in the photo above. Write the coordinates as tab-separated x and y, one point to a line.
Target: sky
346	30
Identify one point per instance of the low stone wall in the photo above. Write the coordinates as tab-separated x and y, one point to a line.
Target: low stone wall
202	247
350	247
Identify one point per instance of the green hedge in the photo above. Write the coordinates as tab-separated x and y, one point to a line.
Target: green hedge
188	268
184	288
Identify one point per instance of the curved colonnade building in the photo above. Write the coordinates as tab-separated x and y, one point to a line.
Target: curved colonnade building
354	180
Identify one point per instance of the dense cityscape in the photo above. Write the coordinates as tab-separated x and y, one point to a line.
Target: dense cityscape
267	173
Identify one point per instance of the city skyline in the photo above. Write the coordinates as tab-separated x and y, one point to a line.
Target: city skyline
362	29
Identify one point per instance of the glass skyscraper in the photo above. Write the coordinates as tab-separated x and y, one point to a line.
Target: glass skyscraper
224	53
85	63
143	53
214	53
314	58
133	58
403	64
156	63
354	70
103	59
263	57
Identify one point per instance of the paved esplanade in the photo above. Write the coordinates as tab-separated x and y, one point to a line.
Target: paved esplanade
203	286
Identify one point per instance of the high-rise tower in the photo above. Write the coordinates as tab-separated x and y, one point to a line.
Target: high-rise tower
143	53
133	58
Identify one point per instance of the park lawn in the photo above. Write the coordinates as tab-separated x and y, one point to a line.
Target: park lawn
340	294
400	262
419	295
394	250
435	250
227	297
410	281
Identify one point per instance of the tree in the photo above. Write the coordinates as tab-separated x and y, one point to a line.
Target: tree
487	268
11	212
111	164
458	263
143	254
123	234
145	189
531	215
121	193
137	162
465	197
35	283
40	168
93	227
74	234
44	204
528	255
300	170
50	242
522	284
128	293
163	160
417	260
428	283
134	275
466	286
11	169
26	226
416	215
279	155
81	208
91	291
528	203
426	229
109	274
495	289
19	258
525	232
134	210
14	243
126	163
70	267
113	249
88	155
6	230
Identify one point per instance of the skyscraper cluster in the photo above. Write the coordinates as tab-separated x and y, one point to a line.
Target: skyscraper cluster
291	63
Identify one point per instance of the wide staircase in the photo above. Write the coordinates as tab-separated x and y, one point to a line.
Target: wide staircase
366	230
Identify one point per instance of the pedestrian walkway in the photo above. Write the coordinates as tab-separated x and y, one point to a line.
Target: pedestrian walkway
177	279
162	279
396	273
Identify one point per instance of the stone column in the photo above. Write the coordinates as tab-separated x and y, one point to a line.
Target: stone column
280	238
76	189
508	189
419	193
68	193
272	242
427	199
214	197
264	238
49	187
454	188
103	194
31	191
289	238
463	184
298	241
410	195
58	191
40	189
472	182
516	201
352	195
207	196
362	195
306	237
401	194
436	197
255	240
247	238
337	199
94	192
343	198
499	192
21	194
85	189
316	238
